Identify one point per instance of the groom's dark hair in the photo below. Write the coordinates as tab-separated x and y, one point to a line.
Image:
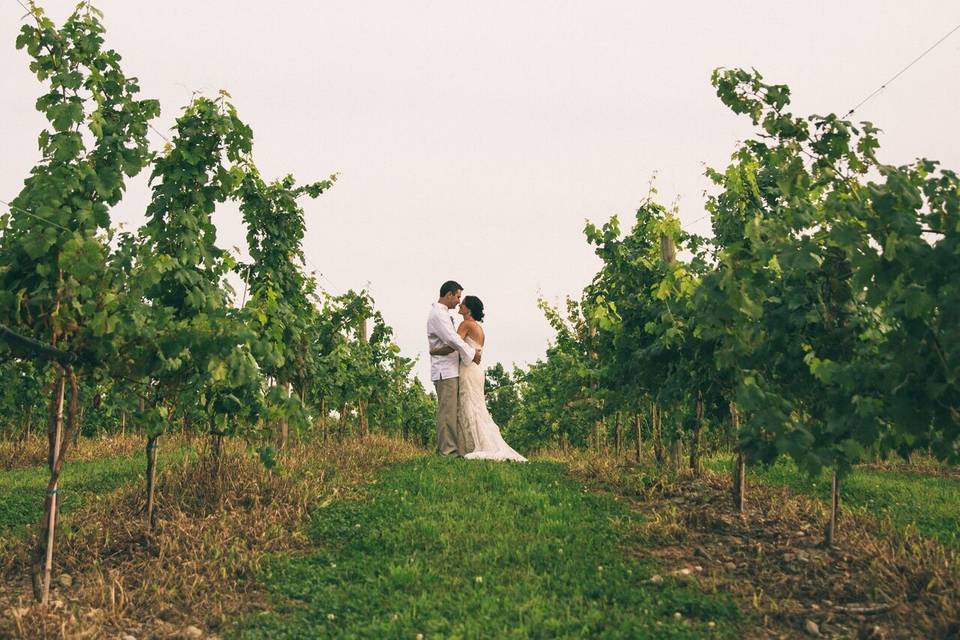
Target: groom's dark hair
450	286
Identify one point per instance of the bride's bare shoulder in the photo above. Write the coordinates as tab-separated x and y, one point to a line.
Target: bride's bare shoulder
477	331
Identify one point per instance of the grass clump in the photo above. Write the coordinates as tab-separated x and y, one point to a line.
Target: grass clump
451	548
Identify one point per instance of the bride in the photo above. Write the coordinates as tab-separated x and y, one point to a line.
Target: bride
472	414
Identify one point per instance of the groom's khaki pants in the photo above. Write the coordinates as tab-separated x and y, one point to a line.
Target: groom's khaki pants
450	438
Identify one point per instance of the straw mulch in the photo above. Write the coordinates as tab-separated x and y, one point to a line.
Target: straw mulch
196	572
875	583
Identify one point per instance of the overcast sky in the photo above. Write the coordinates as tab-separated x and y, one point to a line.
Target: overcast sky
474	139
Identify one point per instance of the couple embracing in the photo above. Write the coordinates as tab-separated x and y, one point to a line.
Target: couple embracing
464	426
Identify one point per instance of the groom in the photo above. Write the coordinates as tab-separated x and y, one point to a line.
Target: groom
445	370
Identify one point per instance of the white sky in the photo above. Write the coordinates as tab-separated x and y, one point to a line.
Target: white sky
474	139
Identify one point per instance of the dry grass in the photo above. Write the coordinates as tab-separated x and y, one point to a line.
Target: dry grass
215	528
875	583
918	463
32	452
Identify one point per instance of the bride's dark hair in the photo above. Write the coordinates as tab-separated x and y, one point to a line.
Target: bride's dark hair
476	307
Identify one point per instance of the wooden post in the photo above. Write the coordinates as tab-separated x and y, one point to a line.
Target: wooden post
668	249
76	433
619	432
41	582
739	473
657	434
362	423
58	424
834	510
594	384
151	481
600	432
362	403
401	419
741	486
302	394
285	423
323	418
676	453
637	423
676	448
696	441
29	424
217	449
42	565
55	432
668	253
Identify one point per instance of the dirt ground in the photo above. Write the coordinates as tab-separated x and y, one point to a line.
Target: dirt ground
874	583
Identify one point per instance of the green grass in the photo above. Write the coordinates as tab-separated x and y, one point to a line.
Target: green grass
22	490
930	503
457	549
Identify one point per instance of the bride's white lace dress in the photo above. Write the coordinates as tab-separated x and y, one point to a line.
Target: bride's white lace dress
474	417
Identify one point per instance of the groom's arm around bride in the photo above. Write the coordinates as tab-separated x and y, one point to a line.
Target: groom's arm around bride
443	338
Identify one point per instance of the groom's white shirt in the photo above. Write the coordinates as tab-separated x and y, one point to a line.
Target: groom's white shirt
441	331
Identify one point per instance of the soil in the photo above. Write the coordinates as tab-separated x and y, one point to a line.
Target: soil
873	583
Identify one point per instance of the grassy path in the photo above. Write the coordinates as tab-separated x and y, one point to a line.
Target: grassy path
449	548
931	503
22	490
